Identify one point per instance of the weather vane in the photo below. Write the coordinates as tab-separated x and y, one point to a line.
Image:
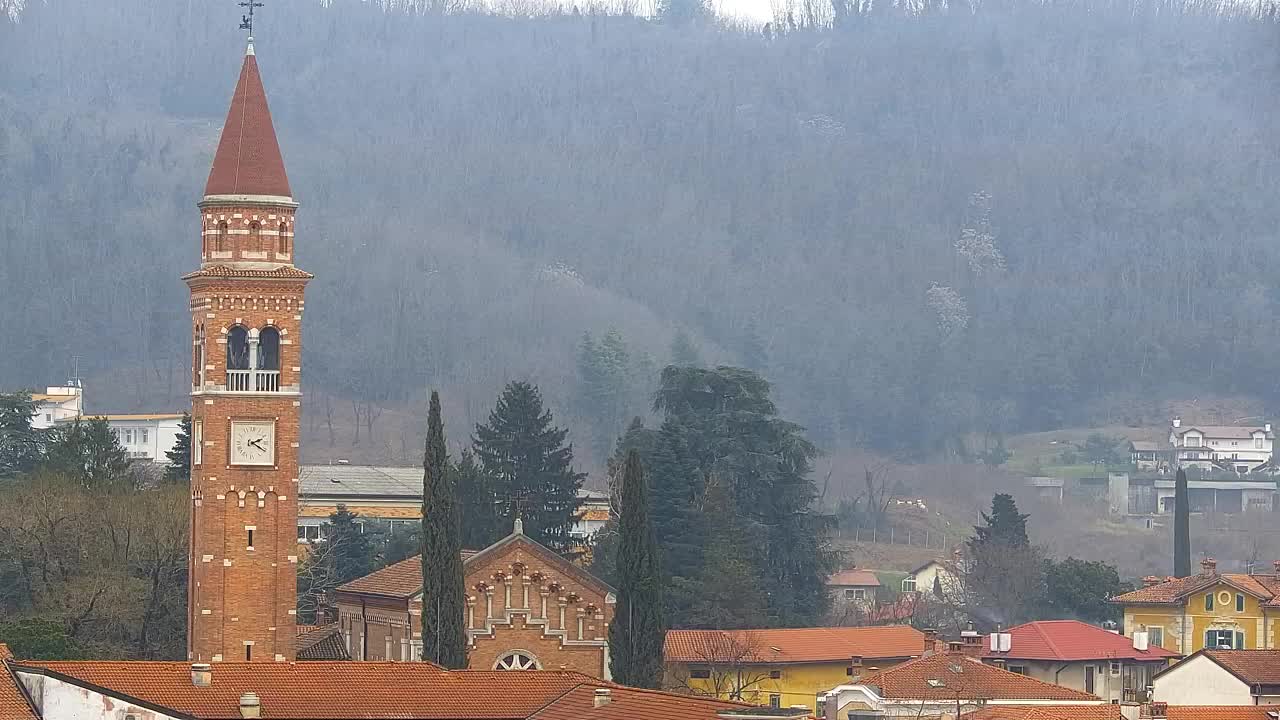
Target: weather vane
246	21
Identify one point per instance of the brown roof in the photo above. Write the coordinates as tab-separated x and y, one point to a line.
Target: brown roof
287	272
952	672
1263	587
632	704
793	645
404	579
856	578
1237	432
1047	712
13	702
320	689
1256	667
248	160
1222	712
322	642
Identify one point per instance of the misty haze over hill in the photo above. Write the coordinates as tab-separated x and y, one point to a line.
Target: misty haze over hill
917	226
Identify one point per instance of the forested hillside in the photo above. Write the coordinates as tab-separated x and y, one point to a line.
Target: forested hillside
917	225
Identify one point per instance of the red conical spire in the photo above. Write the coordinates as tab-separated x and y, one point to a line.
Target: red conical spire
248	160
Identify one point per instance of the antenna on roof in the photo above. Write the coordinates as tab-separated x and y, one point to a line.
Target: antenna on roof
246	21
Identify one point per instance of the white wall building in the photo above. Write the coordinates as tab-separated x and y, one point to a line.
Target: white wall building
1221	677
145	437
55	404
1242	448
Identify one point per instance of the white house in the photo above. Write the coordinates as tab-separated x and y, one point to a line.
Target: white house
64	402
1221	677
145	437
1238	448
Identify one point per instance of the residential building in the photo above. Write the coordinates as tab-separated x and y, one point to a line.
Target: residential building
56	404
853	587
1081	656
935	577
527	608
114	690
1146	455
392	495
246	310
1206	610
1221	677
1236	448
148	437
950	683
783	667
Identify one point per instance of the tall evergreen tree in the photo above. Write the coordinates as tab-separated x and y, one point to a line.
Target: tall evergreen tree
1004	526
604	550
179	467
89	452
480	507
639	625
351	550
443	606
1181	526
20	443
731	585
526	456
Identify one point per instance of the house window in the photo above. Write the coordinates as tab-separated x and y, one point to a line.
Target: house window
1156	636
517	660
1192	441
48	417
197	441
1208	601
1257	443
1115	668
775	701
1019	669
142	436
909	584
775	674
1228	639
1239	602
855	594
310	533
699	672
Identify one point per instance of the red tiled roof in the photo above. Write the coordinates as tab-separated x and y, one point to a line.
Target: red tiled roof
1047	712
248	160
793	645
859	578
321	689
952	672
323	642
223	271
1221	712
1070	640
1256	667
1263	587
632	704
13	703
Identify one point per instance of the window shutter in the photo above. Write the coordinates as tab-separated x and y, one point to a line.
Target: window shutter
1239	640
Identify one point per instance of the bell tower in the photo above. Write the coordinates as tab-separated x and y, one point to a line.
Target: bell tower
246	326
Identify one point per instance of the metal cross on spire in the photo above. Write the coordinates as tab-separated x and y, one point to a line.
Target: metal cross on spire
246	21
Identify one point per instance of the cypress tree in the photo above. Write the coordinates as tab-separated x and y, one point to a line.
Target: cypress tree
1181	527
443	636
639	624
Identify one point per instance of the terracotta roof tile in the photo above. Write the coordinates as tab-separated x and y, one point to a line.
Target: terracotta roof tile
13	703
632	704
321	643
861	578
224	271
248	160
793	645
320	689
1068	640
910	681
1220	712
1265	587
1256	667
1047	712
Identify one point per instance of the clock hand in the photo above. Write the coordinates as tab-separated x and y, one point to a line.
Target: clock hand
256	443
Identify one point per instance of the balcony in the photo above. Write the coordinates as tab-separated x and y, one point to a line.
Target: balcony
253	381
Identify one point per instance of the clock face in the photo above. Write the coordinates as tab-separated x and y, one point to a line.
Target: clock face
253	443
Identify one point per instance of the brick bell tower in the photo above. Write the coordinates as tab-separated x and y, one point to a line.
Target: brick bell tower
246	319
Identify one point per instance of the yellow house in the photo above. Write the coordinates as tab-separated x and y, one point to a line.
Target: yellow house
1209	610
783	667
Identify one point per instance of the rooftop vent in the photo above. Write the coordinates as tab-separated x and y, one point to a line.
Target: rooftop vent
602	698
250	705
201	674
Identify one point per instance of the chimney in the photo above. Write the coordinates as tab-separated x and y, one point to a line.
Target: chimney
1209	566
1150	580
855	667
1157	710
201	674
1266	427
1177	422
602	697
1275	565
955	647
250	706
931	637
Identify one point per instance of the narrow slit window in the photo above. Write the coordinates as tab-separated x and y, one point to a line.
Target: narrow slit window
251	538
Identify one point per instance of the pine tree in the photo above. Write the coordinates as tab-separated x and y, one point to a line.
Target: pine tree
350	550
1181	527
89	452
1004	526
21	445
526	456
443	606
179	467
482	523
639	627
731	583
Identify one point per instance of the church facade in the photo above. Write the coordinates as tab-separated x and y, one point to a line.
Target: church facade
527	609
246	317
